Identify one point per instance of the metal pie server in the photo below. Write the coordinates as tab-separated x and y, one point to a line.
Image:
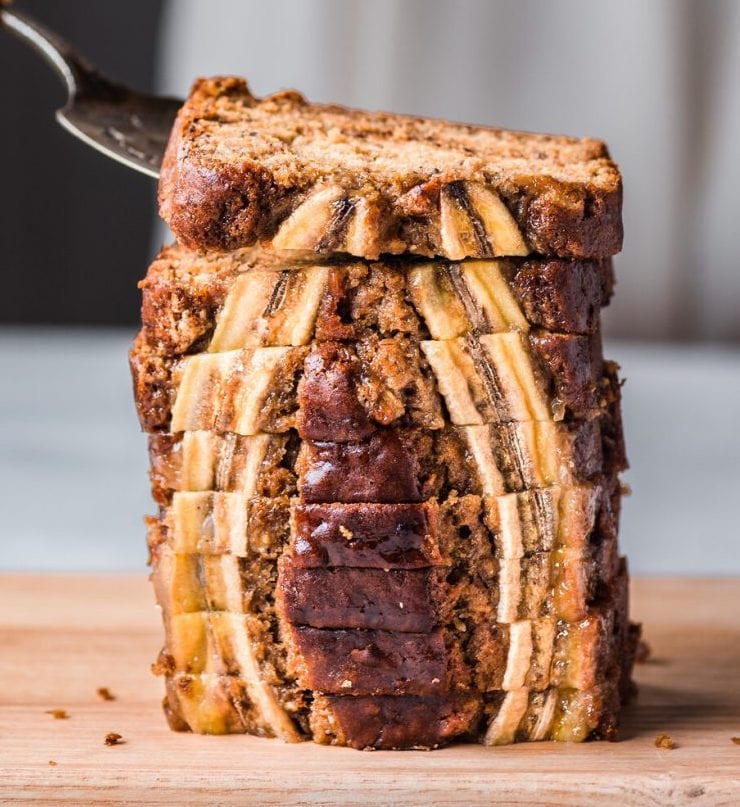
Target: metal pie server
127	126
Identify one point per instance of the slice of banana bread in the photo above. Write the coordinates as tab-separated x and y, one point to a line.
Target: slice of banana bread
342	392
320	179
260	299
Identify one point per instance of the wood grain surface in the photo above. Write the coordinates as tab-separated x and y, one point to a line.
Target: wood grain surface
61	638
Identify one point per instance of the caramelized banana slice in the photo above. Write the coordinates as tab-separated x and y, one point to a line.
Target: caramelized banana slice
474	222
319	219
489	379
454	299
243	391
225	523
270	308
219	704
503	728
565	715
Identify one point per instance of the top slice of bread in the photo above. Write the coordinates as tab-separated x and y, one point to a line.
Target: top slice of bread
320	179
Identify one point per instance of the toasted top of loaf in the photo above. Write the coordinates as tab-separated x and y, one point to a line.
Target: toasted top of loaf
317	178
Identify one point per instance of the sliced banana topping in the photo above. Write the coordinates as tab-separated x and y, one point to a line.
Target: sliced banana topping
578	713
315	221
577	508
454	299
247	389
238	322
362	233
565	715
489	290
199	390
461	234
572	574
483	447
188	583
523	524
227	391
210	704
520	455
198	461
261	693
200	642
209	461
474	222
332	219
270	308
177	583
503	517
509	354
221	704
501	230
489	379
434	296
454	370
503	728
209	523
583	649
544	634
238	469
543	723
208	633
519	657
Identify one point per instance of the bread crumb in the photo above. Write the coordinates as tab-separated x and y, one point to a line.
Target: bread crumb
105	694
735	740
643	652
664	741
345	532
164	665
113	738
58	714
610	733
51	762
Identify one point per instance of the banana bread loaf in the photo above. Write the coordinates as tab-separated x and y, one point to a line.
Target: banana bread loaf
385	446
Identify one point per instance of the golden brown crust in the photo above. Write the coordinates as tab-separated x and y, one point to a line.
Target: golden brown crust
236	167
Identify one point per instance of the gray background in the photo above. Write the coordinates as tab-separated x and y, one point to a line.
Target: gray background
657	80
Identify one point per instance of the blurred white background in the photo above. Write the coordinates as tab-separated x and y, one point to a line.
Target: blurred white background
658	81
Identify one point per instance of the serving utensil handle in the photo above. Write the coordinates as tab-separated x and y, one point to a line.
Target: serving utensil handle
77	73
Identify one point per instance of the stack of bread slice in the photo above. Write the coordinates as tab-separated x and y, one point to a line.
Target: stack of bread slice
384	442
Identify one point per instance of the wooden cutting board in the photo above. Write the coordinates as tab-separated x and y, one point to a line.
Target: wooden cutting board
63	637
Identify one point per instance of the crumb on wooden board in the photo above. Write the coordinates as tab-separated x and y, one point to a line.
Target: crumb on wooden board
665	741
113	738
